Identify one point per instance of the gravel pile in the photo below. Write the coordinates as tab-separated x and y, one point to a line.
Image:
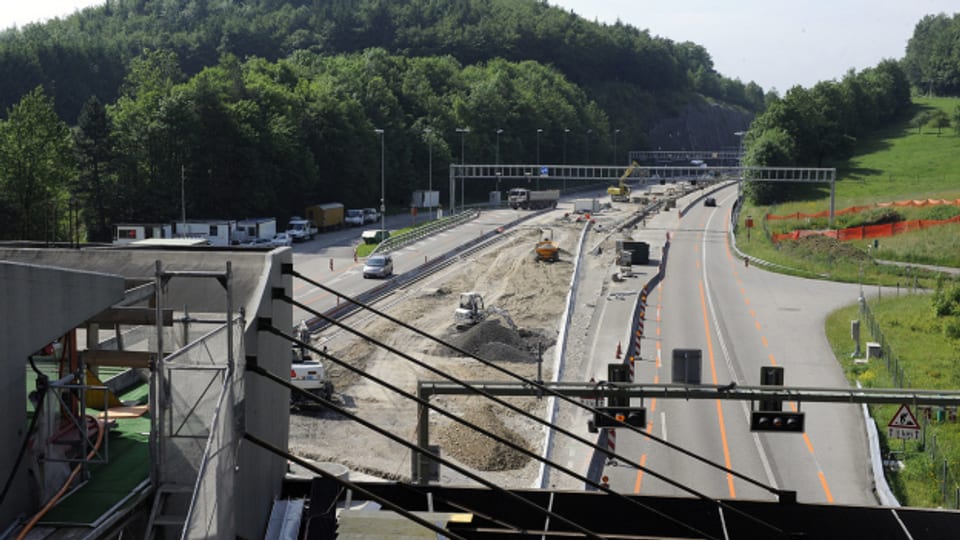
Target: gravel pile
487	333
478	451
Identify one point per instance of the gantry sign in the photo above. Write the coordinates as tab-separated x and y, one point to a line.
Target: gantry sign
536	175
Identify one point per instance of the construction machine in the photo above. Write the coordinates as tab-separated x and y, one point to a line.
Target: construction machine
472	311
621	192
547	249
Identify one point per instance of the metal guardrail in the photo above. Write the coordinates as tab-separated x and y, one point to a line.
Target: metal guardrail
346	308
419	233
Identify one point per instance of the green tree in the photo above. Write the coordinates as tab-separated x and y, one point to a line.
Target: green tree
939	119
955	119
920	119
36	164
95	153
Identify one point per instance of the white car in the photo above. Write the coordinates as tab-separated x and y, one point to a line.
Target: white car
281	239
370	215
354	218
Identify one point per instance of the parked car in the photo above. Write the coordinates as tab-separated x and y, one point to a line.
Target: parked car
378	266
282	239
709	201
260	243
354	218
370	215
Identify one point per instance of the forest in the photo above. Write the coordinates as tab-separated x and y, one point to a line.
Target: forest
254	108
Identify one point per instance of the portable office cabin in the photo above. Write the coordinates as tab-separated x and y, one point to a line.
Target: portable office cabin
125	233
253	228
217	232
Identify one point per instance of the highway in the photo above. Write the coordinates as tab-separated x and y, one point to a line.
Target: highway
742	318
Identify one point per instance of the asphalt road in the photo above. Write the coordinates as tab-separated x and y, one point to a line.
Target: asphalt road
742	318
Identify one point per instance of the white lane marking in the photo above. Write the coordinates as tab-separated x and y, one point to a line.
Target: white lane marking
764	460
663	425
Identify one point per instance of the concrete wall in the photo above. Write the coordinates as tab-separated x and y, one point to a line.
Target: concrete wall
37	305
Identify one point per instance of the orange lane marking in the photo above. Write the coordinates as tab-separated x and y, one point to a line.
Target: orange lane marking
773	361
658	330
636	485
713	373
764	340
753	313
826	488
757	324
653	403
698	264
747	301
743	291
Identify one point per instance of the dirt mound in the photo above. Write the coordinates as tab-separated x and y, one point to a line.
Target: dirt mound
501	352
485	333
478	451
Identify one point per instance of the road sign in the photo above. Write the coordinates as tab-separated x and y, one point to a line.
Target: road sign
903	425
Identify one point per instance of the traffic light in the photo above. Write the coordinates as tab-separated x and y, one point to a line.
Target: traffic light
631	416
618	373
771	376
782	421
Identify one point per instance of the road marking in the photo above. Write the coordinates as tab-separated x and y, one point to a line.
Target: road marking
713	373
746	301
663	425
757	324
636	484
764	340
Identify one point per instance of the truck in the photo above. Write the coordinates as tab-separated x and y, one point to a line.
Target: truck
354	217
301	229
326	216
533	200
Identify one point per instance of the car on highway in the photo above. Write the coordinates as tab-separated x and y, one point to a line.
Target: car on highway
354	217
378	266
370	215
709	201
281	239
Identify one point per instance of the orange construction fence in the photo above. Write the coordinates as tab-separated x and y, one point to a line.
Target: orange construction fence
857	209
869	231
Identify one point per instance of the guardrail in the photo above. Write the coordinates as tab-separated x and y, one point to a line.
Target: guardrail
344	309
419	233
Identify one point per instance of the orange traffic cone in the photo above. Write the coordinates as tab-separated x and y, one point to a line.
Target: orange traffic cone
618	350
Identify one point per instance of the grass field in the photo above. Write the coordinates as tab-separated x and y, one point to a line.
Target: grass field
895	164
929	361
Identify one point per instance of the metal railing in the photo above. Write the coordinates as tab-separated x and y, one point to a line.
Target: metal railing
425	230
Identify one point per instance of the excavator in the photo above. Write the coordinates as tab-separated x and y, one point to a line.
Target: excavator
471	311
621	192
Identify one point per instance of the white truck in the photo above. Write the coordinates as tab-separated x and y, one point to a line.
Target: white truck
307	373
533	200
354	217
301	229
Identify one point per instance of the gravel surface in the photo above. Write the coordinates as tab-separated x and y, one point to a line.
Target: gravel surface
508	276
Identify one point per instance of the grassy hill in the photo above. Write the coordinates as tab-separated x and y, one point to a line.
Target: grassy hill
898	163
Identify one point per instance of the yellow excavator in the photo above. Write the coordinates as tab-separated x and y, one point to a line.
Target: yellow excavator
621	192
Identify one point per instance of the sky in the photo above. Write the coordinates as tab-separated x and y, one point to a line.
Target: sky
776	43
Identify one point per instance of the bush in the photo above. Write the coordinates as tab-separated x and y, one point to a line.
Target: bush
951	328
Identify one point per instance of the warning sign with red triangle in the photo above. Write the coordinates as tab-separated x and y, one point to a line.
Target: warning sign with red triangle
904	424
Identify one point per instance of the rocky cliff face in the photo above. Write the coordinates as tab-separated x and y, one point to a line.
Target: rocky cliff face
701	125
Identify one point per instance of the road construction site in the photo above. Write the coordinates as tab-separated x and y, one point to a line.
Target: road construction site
546	319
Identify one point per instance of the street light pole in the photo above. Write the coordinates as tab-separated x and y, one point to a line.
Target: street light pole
383	185
429	132
589	131
539	131
740	134
615	132
565	131
499	131
462	131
